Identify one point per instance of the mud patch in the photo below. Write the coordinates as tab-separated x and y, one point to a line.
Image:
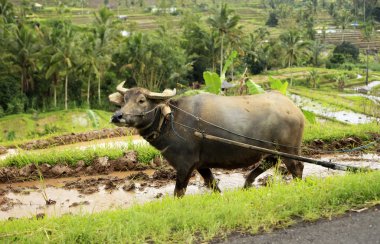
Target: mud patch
91	185
3	150
138	176
76	204
101	165
164	174
6	203
319	146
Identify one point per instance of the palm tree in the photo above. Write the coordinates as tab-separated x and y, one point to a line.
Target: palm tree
6	11
199	44
313	78
105	37
51	42
343	18
316	48
368	33
225	23
89	61
24	49
257	47
65	56
146	68
293	45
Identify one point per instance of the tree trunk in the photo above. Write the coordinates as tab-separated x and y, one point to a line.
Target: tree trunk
232	71
22	82
366	73
221	55
99	99
55	95
66	85
88	90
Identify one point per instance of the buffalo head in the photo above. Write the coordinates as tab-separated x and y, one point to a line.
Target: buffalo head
137	105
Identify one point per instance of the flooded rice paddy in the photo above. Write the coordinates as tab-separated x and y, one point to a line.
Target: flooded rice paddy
80	195
319	109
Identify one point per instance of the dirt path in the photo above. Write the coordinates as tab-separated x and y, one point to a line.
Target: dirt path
363	227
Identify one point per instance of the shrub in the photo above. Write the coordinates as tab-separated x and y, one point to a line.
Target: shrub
345	52
16	105
1	112
376	14
272	20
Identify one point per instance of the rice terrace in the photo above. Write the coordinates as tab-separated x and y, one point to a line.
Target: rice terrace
188	121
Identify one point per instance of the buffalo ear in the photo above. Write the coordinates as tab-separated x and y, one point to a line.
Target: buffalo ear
116	98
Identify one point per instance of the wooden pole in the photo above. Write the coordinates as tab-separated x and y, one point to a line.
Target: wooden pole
285	155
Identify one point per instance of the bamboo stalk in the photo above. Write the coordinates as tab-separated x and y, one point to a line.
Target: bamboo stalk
326	164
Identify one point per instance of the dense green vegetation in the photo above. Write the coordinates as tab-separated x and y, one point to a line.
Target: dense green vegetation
50	62
203	217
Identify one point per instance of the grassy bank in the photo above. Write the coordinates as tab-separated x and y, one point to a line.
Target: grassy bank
330	130
203	217
20	127
71	156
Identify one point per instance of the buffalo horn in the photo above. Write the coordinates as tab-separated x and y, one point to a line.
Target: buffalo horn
166	94
116	98
121	89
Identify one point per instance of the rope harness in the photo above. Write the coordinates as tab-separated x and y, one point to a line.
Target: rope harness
199	119
168	114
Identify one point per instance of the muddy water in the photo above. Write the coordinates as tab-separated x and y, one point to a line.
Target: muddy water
28	199
370	86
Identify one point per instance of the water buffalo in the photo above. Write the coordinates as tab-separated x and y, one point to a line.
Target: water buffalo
169	124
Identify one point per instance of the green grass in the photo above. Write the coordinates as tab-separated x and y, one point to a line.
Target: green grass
376	89
29	126
71	156
203	217
330	130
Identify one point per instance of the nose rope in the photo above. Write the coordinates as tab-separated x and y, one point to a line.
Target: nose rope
144	113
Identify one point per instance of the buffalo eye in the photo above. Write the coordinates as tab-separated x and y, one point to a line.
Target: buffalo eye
141	100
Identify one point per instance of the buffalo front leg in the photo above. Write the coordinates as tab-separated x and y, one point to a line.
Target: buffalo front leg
183	177
209	179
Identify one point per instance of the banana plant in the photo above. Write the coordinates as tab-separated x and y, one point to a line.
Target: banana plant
278	85
213	80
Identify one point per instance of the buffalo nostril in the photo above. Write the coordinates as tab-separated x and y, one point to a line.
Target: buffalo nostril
117	117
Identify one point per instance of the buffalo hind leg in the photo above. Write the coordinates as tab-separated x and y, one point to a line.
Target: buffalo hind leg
182	179
268	162
209	179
